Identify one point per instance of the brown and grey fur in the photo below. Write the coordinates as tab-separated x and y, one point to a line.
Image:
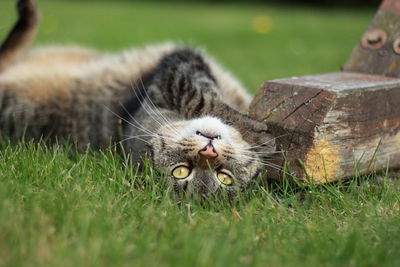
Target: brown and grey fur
80	94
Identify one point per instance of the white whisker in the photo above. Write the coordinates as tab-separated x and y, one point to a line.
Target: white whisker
153	111
140	127
270	140
154	106
137	137
260	152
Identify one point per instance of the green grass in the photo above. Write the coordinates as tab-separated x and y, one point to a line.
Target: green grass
61	208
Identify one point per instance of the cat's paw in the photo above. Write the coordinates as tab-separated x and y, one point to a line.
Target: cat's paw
259	137
256	134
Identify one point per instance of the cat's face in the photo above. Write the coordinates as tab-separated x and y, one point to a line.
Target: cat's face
204	155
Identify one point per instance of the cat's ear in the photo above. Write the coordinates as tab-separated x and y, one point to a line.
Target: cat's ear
139	151
142	161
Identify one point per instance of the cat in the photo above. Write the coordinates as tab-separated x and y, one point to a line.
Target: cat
169	103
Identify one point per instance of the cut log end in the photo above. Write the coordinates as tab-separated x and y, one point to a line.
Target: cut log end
334	125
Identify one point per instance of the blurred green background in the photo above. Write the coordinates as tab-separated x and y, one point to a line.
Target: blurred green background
256	40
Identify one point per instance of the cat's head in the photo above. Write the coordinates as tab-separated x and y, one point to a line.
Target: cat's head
204	155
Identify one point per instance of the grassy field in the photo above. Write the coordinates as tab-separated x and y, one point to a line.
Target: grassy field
61	208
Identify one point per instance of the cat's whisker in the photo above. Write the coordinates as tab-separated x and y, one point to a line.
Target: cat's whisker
250	155
264	163
118	116
139	126
265	156
153	115
168	122
253	157
271	164
145	105
152	103
139	137
153	111
267	142
261	152
134	137
239	155
267	164
276	168
245	152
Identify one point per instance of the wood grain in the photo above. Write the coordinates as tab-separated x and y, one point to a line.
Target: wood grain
333	125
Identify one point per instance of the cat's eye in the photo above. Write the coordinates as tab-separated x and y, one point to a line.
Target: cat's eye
224	178
181	172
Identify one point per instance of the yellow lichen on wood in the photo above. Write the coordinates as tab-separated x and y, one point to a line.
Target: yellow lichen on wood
322	161
392	66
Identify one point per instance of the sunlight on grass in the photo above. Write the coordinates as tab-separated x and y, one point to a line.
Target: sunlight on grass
59	206
63	208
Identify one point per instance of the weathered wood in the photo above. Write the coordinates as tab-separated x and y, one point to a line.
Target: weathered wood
379	49
331	124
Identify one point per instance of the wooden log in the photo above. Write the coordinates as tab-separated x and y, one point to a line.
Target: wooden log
333	124
379	49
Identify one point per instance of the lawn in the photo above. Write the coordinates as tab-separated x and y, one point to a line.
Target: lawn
62	208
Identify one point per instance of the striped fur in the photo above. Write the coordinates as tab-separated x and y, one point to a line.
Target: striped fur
155	95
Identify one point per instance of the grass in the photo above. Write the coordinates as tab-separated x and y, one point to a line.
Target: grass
61	208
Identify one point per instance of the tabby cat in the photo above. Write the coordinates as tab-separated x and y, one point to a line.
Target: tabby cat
166	102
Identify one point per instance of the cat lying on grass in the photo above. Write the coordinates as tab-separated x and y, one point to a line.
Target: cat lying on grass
169	103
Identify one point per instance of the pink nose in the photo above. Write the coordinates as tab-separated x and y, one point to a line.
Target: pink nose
208	152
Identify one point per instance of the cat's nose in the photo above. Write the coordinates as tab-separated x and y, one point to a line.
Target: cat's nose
208	152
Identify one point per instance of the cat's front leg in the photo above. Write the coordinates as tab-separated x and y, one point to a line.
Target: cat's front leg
253	132
183	82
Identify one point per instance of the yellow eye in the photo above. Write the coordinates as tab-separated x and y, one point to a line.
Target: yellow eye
224	178
181	172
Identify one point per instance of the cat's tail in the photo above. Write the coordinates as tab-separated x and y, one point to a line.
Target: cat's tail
21	35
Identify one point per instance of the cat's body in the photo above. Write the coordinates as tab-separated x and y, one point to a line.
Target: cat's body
173	104
69	91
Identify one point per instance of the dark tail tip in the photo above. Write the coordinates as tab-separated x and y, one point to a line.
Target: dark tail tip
21	35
